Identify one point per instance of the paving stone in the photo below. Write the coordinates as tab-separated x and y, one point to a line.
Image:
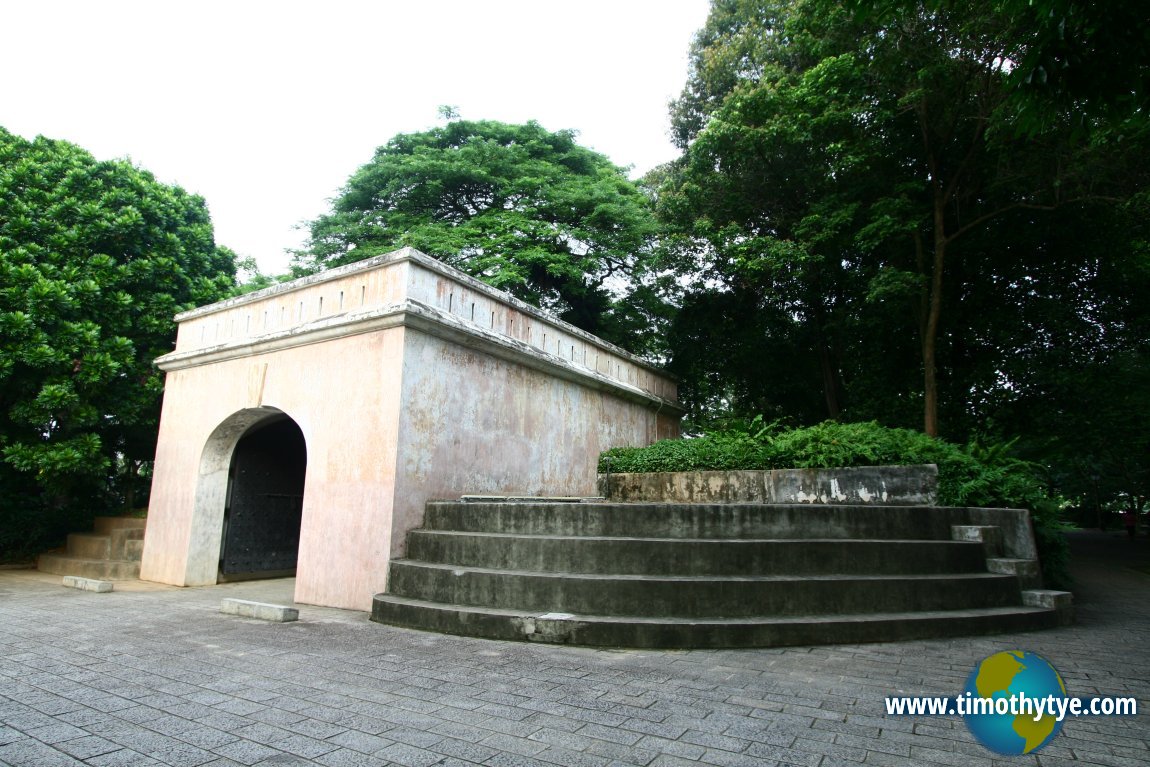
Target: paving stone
408	756
617	752
522	729
284	760
465	751
224	721
661	729
728	759
568	758
206	737
517	760
712	741
612	734
88	746
239	707
344	757
461	731
103	703
672	747
126	757
512	744
314	729
667	760
57	732
245	751
175	753
867	745
29	752
275	716
161	678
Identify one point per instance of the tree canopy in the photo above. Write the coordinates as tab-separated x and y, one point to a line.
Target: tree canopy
1085	58
872	202
95	259
524	209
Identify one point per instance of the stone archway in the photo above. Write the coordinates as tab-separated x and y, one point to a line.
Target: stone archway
264	507
214	486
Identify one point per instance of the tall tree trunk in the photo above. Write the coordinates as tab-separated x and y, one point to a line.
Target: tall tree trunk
830	382
930	328
132	474
830	376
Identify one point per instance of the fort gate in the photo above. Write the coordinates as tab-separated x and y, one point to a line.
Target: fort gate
304	426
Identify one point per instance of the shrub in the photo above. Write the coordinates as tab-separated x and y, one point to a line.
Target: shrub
971	475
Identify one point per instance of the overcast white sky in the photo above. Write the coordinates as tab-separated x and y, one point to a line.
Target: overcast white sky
266	108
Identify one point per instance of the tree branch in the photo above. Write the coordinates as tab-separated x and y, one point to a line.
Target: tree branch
1025	206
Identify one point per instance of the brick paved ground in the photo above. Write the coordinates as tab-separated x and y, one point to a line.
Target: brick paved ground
149	675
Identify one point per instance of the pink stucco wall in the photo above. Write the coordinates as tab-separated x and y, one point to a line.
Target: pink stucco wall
471	423
409	381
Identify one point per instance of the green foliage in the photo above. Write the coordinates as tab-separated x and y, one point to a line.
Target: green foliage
1070	55
856	212
971	475
884	210
1050	539
95	259
519	207
712	452
251	279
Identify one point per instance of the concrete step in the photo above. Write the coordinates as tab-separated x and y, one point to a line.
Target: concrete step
668	520
1027	571
127	543
990	536
134	549
105	525
97	569
714	574
89	546
119	541
693	556
654	632
1061	602
698	596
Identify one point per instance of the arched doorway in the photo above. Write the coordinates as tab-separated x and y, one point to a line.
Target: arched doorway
264	503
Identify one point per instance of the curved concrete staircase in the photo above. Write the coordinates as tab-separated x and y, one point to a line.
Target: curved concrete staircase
715	575
110	553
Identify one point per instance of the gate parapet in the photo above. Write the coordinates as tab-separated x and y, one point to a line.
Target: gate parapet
407	287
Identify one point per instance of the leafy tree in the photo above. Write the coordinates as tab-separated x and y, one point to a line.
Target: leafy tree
95	259
250	279
848	168
1074	336
524	209
1084	58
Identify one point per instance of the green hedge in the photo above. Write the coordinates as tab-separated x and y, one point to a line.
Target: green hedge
970	475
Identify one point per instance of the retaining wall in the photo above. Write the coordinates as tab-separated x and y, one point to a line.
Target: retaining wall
884	485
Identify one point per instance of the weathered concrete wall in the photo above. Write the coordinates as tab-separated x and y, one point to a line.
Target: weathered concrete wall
409	381
493	426
884	485
1016	526
349	424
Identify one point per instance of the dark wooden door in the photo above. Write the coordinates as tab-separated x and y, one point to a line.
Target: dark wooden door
265	501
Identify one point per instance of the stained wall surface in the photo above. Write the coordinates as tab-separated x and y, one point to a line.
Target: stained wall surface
409	381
